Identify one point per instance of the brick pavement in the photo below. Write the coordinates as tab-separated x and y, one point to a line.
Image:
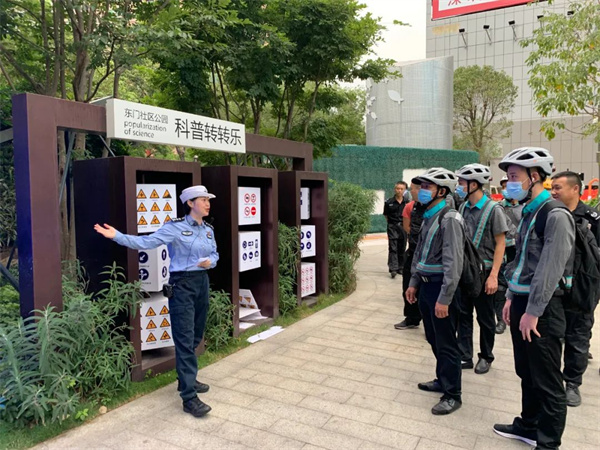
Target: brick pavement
340	379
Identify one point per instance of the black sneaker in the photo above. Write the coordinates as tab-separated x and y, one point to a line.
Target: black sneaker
500	327
393	274
404	325
431	386
573	395
466	365
446	405
513	432
483	366
196	407
201	388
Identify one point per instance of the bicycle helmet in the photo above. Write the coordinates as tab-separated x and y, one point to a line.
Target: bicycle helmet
475	172
439	176
529	157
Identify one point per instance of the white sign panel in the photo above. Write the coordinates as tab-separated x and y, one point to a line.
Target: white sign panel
441	9
137	122
308	279
304	203
249	251
156	205
308	241
248	206
154	268
155	323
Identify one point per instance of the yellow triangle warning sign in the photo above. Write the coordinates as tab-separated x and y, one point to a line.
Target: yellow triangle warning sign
151	338
142	208
142	221
154	194
165	323
151	325
167	219
167	194
155	221
164	336
168	207
150	312
141	194
155	207
164	310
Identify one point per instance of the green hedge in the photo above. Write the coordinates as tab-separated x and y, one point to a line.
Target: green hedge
379	168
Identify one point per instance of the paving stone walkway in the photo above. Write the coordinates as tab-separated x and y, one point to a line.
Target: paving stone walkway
340	379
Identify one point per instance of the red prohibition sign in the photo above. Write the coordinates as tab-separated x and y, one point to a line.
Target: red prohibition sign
253	210
246	211
246	198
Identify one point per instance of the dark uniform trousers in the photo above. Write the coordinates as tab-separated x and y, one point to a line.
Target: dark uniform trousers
538	364
577	342
510	253
396	247
441	335
188	309
411	311
486	318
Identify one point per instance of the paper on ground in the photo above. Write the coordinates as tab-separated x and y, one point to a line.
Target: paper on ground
245	312
265	334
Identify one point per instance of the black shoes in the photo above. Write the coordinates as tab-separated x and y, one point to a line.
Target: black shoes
500	327
573	395
201	388
404	325
466	365
446	405
431	386
483	366
196	407
514	432
393	274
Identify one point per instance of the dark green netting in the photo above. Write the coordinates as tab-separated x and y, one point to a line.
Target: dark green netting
379	168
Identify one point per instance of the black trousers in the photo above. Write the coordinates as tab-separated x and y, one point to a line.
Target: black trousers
396	247
537	363
411	312
441	335
485	306
577	342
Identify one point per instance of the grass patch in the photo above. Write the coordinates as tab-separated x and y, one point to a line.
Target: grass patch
19	438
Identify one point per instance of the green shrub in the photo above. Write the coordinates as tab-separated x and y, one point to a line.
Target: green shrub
9	306
8	211
52	361
219	323
289	257
350	208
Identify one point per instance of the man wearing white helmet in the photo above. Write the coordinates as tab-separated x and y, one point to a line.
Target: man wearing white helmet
436	270
486	225
533	308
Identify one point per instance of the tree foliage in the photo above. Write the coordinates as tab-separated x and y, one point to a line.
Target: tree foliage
564	67
483	97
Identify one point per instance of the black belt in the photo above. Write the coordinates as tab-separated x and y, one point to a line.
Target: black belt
431	278
189	273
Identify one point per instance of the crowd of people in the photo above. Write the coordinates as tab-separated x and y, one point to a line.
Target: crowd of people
529	263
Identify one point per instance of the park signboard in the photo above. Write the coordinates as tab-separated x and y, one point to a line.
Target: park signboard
137	122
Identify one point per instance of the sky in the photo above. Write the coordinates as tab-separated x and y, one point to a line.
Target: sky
402	43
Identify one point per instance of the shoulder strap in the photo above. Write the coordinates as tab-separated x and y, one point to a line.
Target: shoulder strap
542	215
461	208
485	216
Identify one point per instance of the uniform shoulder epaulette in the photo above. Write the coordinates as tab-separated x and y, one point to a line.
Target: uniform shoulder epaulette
178	219
209	225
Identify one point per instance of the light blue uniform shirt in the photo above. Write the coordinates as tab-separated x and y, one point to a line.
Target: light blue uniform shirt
187	241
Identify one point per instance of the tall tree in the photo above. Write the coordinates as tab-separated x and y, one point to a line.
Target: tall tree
564	67
483	97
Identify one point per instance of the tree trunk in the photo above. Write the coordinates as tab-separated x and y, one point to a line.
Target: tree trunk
64	223
311	109
279	109
225	102
290	114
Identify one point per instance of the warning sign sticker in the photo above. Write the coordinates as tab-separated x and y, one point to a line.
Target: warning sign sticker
142	208
167	194
151	325
165	323
167	219
165	336
155	221
161	206
150	312
151	337
164	310
142	221
141	194
154	194
167	207
155	207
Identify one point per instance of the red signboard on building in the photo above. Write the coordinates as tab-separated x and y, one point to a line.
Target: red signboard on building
442	9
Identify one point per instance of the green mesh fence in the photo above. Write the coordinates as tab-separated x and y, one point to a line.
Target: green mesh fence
379	168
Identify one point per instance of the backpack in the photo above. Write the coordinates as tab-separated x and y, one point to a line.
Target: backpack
585	289
472	278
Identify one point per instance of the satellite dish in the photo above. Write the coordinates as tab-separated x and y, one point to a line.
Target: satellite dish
373	115
395	96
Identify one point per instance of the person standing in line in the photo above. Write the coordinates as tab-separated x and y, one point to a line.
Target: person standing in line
412	218
567	187
193	251
392	211
486	225
436	270
534	302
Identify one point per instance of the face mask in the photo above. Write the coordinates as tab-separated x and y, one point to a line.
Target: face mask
505	194
515	190
425	196
460	191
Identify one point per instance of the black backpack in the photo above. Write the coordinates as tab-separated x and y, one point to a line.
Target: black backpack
585	289
472	278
